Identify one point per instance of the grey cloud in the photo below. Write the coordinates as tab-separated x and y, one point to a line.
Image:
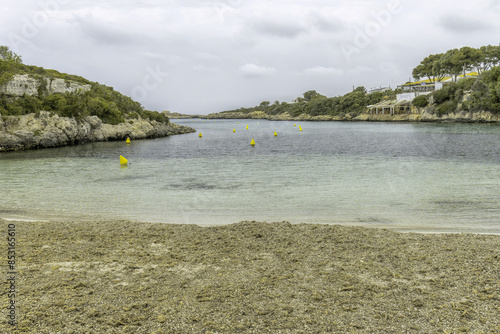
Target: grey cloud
279	29
457	24
205	68
325	24
103	32
321	70
205	56
252	70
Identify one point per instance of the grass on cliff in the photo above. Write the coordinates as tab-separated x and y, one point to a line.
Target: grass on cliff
109	105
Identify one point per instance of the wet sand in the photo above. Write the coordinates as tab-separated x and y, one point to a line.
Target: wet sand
249	277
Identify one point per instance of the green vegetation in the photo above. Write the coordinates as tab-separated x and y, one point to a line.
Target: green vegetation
9	62
457	62
469	94
420	101
315	104
109	105
486	92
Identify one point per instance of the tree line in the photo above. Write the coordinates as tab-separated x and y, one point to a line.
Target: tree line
456	62
109	105
314	104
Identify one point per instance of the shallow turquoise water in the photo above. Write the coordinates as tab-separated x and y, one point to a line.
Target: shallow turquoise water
407	177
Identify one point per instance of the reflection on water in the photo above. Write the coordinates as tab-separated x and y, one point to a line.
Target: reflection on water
410	177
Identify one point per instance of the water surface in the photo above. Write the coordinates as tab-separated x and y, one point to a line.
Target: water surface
407	177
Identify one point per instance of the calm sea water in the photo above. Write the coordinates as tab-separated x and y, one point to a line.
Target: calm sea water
406	177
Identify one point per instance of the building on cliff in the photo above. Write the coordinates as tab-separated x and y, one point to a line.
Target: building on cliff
423	87
390	107
403	102
380	89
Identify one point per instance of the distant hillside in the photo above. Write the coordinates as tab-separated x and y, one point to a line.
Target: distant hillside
315	104
176	115
28	89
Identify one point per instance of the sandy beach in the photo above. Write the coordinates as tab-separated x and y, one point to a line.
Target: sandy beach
248	277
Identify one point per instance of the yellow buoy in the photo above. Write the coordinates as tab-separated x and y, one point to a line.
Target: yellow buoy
128	140
200	135
123	161
300	128
275	134
294	125
252	142
247	127
234	130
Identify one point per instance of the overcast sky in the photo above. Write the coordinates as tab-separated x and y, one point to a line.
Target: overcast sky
203	56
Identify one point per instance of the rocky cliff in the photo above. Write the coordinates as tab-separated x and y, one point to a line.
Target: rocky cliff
424	116
45	130
24	84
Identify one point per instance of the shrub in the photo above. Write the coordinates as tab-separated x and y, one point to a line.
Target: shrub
466	84
446	108
42	89
133	115
420	101
486	92
5	77
107	111
14	110
29	104
444	94
154	116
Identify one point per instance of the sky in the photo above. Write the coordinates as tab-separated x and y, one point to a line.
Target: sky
205	56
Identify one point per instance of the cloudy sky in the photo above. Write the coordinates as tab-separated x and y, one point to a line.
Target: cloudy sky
203	56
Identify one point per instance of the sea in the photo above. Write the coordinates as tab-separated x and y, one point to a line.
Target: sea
408	177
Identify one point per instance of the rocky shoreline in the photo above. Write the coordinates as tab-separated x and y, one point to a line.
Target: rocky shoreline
250	277
43	130
424	116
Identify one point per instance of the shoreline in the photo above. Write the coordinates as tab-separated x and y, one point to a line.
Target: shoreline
250	277
43	130
424	116
396	229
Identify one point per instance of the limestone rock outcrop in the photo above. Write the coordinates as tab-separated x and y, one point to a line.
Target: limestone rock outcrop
24	84
46	130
